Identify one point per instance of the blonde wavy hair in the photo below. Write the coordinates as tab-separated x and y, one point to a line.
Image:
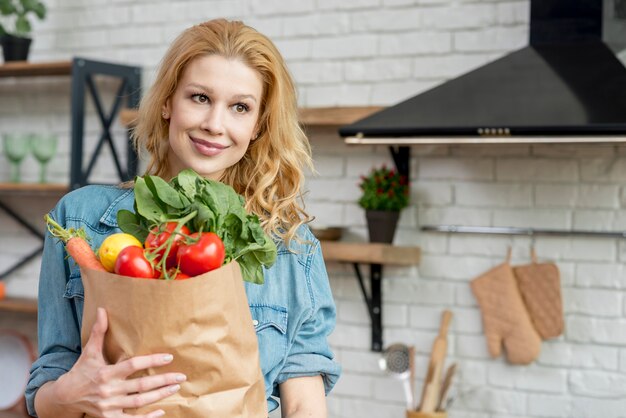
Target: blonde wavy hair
270	173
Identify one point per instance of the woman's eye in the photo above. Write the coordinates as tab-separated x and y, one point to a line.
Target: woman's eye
200	98
240	108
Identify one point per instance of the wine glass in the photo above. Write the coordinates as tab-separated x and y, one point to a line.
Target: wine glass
15	148
44	147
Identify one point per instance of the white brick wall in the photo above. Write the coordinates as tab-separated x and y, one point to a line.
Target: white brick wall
377	52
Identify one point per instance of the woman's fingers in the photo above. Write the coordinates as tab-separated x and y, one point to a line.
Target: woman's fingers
125	368
96	338
148	383
141	399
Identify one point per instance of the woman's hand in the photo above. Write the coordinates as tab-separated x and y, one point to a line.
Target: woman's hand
100	389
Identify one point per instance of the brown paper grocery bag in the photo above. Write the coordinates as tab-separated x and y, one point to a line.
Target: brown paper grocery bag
205	322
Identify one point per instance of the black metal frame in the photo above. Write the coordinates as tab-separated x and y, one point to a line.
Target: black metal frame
83	73
373	302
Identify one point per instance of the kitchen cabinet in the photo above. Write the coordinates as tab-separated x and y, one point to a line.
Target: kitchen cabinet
82	73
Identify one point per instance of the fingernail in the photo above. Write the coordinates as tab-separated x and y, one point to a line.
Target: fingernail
158	413
174	388
181	378
167	358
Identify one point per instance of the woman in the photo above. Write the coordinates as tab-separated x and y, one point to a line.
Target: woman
224	105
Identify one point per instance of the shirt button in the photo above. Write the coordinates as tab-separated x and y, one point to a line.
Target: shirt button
255	322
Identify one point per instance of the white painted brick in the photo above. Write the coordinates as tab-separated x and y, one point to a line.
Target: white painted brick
270	26
432	243
622	360
353	312
532	378
459	16
394	315
533	218
454	216
351	336
345	46
447	66
326	213
536	169
293	49
603	169
594	220
130	36
597	384
364	407
562	195
566	355
354	385
464	296
386	20
403	44
620	221
316	24
544	405
580	249
271	7
511	13
393	92
329	165
344	190
488	399
346	5
602	331
433	193
493	195
317	72
456	169
588	407
467	320
601	275
472	346
378	69
599	196
420	292
399	3
471	373
454	267
492	39
592	302
388	388
84	39
337	95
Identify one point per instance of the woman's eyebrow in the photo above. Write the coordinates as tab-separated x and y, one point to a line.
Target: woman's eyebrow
210	90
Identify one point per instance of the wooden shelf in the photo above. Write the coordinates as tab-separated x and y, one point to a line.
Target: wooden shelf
370	253
313	116
23	305
35	69
29	189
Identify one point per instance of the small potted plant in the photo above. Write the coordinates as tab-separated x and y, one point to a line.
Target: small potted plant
15	38
385	194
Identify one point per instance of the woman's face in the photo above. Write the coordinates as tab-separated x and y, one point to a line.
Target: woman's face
212	115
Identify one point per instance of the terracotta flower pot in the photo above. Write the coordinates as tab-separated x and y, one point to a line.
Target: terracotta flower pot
381	225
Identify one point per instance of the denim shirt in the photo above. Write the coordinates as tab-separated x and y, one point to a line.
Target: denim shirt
293	312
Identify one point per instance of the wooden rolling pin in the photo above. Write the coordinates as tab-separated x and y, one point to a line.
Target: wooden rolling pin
432	384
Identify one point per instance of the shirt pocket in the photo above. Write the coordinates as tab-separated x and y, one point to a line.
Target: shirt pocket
270	324
75	292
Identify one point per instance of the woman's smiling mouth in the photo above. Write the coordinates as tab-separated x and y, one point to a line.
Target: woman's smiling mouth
207	148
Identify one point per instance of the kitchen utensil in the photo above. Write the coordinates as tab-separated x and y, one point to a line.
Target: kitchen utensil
396	361
432	384
412	375
16	357
445	386
15	148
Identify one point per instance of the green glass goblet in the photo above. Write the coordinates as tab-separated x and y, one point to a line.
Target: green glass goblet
15	148
43	146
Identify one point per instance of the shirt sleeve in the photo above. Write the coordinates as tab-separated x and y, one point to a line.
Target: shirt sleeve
58	332
309	354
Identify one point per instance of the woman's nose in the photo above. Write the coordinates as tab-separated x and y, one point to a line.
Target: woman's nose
213	121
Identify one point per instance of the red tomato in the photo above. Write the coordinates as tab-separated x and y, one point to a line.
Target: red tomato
174	274
132	262
206	254
158	236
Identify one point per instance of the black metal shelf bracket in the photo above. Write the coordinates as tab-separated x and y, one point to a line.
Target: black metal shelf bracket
24	259
373	300
402	159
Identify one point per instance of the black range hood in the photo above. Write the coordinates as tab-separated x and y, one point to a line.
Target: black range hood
566	86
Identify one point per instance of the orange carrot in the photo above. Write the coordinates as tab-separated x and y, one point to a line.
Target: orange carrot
76	245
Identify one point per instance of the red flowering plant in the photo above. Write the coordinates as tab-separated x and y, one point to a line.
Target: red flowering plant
384	189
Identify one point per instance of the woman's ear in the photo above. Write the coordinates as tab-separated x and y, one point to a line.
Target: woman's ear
165	110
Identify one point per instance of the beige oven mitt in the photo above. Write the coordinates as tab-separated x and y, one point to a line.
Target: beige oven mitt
505	318
540	286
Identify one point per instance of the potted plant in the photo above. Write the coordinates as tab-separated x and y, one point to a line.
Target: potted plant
385	194
15	38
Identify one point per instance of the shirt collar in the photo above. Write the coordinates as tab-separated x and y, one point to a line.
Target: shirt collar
124	201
